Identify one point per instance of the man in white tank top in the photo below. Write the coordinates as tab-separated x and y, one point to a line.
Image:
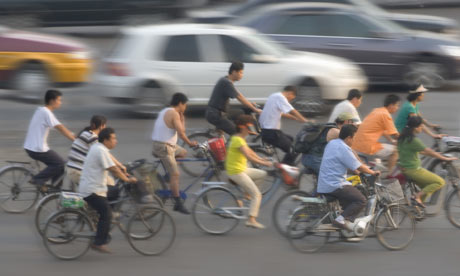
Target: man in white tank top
169	123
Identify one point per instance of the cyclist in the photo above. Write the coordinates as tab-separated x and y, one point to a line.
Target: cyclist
278	106
36	144
411	108
376	124
349	105
224	90
169	123
338	158
409	147
237	170
93	183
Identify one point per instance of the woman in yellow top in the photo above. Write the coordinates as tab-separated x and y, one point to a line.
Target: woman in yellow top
237	170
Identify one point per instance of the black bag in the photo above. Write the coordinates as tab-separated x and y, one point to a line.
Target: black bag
309	134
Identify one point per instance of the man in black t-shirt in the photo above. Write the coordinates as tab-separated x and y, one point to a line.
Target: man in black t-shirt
223	91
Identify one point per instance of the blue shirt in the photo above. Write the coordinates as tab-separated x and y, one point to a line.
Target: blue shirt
337	159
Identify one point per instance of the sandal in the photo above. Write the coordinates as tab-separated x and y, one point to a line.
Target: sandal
418	203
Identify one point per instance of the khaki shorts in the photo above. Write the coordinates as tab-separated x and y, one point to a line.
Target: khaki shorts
167	154
385	152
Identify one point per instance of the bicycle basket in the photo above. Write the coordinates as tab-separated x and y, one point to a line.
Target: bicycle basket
71	200
217	148
391	190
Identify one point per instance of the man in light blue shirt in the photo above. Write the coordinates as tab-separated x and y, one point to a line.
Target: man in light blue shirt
337	159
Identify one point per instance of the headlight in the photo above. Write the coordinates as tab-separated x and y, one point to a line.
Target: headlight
451	50
79	55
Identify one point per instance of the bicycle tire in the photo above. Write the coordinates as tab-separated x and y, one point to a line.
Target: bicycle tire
127	213
61	220
194	168
47	206
209	203
148	223
453	200
283	210
383	224
17	195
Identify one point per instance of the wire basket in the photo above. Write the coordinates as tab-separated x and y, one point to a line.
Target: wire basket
391	190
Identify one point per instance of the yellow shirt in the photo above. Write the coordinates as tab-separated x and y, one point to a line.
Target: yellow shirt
235	162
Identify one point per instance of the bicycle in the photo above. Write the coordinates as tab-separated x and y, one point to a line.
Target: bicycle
217	209
310	227
68	233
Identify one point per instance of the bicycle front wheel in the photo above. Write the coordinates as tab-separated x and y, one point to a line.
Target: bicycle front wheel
394	227
67	234
195	168
47	206
17	195
151	231
453	208
215	211
284	209
127	208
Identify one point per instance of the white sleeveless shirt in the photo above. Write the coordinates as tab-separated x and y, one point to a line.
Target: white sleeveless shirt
161	132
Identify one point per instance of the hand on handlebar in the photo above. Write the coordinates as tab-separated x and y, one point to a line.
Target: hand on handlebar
439	136
450	158
132	179
193	144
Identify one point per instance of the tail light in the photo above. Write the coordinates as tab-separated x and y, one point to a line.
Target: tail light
117	69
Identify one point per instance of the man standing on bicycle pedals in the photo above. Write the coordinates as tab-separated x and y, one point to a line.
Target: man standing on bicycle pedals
169	123
278	106
93	184
337	159
36	144
224	90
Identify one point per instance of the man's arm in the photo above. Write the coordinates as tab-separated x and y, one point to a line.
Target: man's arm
118	163
247	103
119	174
65	131
178	124
297	116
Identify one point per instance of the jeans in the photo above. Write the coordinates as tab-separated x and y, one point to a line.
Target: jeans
101	205
55	165
218	119
312	162
280	140
351	200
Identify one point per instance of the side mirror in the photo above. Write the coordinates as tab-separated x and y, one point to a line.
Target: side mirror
263	58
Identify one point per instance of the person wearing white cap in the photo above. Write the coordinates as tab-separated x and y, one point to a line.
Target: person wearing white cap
411	108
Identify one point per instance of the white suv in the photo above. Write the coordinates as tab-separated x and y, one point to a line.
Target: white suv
151	63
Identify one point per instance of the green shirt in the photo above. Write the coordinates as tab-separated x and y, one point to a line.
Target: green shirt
235	162
408	153
403	115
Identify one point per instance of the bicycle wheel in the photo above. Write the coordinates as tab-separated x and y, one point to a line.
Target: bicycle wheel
284	208
151	231
213	211
394	227
17	195
127	208
304	232
67	234
194	168
47	206
453	208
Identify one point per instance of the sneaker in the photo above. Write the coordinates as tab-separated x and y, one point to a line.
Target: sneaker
101	248
179	207
344	226
255	225
147	199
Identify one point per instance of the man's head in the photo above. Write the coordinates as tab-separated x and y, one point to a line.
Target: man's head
108	137
345	118
179	101
392	102
347	133
355	97
53	99
417	93
290	92
236	70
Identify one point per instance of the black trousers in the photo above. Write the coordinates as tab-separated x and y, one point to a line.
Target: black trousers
220	120
55	165
280	140
351	200
101	205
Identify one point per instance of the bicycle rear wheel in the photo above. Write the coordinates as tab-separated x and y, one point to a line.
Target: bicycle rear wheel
304	231
194	168
394	227
453	208
214	211
47	206
67	234
151	231
17	195
284	209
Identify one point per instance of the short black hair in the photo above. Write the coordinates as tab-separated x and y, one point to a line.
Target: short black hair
347	131
178	98
52	95
354	93
391	99
235	66
413	96
290	88
105	134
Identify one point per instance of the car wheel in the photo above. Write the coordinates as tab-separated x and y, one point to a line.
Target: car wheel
425	71
31	81
309	100
150	100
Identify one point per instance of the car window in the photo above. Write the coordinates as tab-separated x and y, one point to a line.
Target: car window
182	48
235	49
349	26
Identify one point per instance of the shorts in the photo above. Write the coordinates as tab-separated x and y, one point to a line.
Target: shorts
385	152
167	154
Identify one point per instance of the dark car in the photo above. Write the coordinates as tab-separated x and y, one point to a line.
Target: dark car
412	21
388	53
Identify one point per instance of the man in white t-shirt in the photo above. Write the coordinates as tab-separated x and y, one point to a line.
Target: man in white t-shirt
278	106
349	105
36	144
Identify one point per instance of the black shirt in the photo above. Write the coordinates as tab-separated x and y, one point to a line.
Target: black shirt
221	94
